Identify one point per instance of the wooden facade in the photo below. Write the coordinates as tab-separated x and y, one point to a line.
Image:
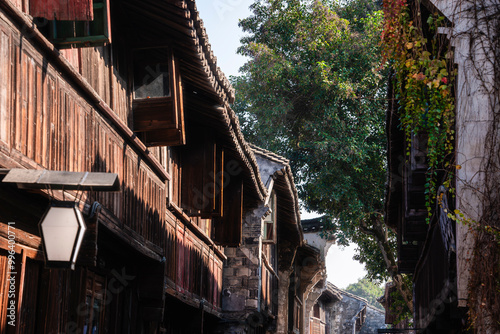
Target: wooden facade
317	323
149	250
151	106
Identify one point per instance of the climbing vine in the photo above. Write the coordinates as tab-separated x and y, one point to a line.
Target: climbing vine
425	79
424	87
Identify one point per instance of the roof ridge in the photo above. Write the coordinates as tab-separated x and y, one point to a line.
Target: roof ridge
269	154
341	291
354	296
220	81
375	308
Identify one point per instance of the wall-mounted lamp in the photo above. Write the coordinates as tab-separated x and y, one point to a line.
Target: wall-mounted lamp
62	227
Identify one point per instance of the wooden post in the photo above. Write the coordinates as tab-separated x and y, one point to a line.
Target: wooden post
21	289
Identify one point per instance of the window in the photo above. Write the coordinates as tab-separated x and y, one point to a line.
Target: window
158	102
360	321
316	313
73	30
94	301
151	74
270	220
226	229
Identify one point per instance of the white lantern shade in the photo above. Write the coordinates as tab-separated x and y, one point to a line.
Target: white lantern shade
62	230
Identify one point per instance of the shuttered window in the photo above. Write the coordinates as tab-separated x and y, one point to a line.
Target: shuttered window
95	296
79	32
158	103
316	312
69	10
202	175
226	230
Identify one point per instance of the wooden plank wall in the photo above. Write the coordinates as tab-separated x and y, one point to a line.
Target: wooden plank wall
192	267
62	10
97	66
45	123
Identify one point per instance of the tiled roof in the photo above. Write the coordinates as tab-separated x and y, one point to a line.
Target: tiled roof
199	65
286	172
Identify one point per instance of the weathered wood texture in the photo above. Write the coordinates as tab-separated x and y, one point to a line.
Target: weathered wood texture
195	269
95	65
269	286
62	9
270	279
45	123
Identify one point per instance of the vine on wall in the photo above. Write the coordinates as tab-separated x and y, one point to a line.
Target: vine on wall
424	87
424	79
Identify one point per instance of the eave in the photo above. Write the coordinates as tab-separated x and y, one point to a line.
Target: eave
288	203
207	92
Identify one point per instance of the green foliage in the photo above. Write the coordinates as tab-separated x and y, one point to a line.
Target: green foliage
368	290
367	250
399	307
425	76
313	91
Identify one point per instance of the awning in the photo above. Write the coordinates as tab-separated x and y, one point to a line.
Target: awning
48	179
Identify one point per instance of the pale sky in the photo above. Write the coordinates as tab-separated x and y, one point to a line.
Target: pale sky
220	18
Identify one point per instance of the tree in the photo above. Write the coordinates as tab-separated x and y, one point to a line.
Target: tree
313	92
368	290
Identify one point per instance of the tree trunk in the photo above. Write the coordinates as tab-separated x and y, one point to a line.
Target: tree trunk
379	233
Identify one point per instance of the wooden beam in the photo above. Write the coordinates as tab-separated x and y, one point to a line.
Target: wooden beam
131	238
22	238
179	213
34	254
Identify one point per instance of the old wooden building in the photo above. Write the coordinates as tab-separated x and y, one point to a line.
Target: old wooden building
131	88
119	109
452	256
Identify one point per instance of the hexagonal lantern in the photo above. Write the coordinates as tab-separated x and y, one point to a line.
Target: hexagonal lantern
62	228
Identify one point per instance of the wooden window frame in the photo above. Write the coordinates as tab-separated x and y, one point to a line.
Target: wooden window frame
317	311
270	220
84	33
202	174
297	305
159	121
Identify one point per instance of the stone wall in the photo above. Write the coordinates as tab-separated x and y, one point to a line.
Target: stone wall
375	319
240	295
341	315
